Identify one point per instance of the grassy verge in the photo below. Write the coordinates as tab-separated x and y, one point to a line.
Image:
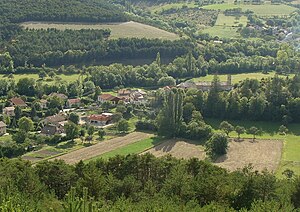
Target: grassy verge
135	148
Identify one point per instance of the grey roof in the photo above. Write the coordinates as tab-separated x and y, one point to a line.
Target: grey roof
49	130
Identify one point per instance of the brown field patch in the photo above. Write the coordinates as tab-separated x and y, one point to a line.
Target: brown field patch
178	148
262	154
129	29
102	147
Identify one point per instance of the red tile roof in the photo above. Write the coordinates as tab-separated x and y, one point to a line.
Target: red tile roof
18	101
74	101
102	117
106	96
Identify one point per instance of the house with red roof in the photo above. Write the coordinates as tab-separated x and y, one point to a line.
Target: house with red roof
16	101
100	119
108	98
71	103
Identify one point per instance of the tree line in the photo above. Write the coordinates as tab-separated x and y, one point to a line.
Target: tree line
142	183
55	47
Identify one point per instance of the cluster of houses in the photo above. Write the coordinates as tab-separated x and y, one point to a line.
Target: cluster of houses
279	32
55	124
128	96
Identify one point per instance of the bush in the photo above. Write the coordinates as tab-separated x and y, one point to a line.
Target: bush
217	145
146	125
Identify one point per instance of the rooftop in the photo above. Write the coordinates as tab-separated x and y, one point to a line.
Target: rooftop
18	101
2	124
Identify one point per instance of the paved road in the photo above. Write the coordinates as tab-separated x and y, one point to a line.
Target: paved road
102	147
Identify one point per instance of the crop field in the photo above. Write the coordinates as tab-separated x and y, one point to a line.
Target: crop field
238	77
178	148
261	154
102	147
118	30
260	10
222	32
290	158
135	148
230	21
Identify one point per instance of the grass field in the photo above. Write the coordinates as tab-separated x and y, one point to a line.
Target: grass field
290	155
68	78
230	21
222	32
118	30
261	10
134	148
238	77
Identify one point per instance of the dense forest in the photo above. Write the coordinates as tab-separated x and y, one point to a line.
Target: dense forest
142	183
54	48
56	10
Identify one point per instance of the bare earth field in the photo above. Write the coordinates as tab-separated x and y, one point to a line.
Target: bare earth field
129	29
260	153
102	147
179	149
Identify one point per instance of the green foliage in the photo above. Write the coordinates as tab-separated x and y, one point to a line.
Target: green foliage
72	130
123	126
69	10
253	131
226	127
140	183
217	145
283	130
239	130
73	117
25	124
170	118
101	133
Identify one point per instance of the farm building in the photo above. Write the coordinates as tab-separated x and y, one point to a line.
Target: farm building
9	111
73	103
132	96
108	98
100	119
52	129
16	101
55	119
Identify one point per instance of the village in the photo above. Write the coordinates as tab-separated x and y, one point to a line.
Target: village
87	114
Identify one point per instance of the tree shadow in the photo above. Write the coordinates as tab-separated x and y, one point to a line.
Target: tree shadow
166	146
221	159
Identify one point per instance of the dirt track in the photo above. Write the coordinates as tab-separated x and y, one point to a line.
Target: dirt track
101	148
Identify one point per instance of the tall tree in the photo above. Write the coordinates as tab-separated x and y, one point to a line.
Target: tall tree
171	116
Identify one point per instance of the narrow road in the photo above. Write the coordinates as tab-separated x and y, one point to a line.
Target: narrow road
102	147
